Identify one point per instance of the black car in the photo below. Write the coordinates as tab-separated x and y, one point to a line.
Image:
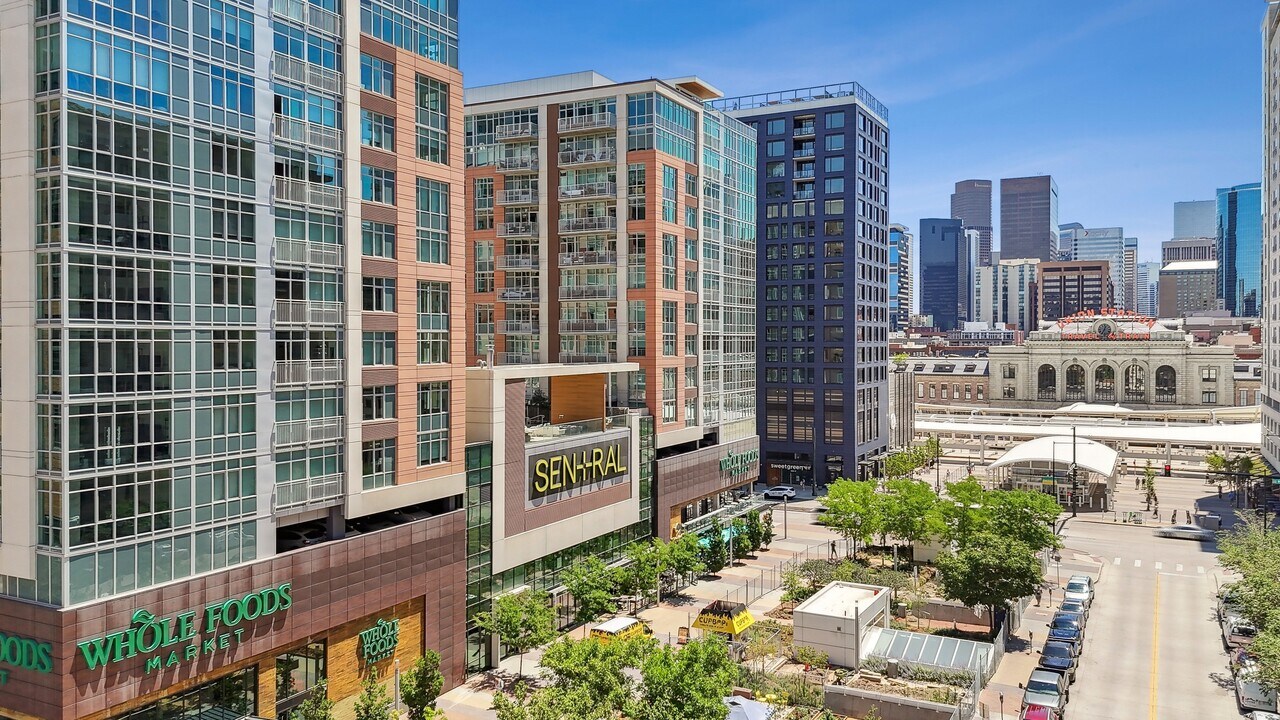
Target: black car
1060	657
1068	620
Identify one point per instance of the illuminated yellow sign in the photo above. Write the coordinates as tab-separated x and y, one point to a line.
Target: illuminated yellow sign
730	623
558	471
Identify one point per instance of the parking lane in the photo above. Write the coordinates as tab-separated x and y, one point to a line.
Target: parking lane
1192	668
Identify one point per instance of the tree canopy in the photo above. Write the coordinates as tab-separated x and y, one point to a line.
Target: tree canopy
991	571
522	621
854	510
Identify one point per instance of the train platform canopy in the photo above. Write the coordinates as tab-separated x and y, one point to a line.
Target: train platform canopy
1089	455
1199	434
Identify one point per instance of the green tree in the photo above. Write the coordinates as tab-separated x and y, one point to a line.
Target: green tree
522	621
902	464
639	576
909	510
991	571
686	684
683	557
373	703
755	530
741	539
766	539
854	511
1252	551
1149	484
962	513
715	554
421	685
317	706
1024	515
552	703
593	586
598	668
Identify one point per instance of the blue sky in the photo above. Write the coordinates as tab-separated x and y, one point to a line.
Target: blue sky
1129	104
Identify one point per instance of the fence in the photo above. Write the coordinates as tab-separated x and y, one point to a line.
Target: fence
770	578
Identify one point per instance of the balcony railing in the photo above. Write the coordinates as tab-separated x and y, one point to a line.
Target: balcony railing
306	74
585	327
300	252
517	229
599	223
517	262
308	491
515	131
517	164
307	372
308	312
517	327
588	258
804	131
312	430
802	194
308	14
804	152
518	196
515	358
588	292
583	191
577	357
301	132
518	294
579	123
301	192
803	175
588	157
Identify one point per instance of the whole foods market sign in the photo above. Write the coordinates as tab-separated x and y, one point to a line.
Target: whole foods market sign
587	466
170	641
739	463
379	641
23	653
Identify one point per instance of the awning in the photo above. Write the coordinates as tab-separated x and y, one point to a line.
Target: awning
724	617
1061	449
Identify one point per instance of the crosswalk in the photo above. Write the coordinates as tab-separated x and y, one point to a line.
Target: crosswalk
1160	566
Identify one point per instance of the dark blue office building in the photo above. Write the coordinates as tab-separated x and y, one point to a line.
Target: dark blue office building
1240	248
946	266
823	274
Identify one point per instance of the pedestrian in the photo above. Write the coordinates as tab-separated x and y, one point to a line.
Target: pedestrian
1219	492
1031	642
1136	483
1039	591
833	549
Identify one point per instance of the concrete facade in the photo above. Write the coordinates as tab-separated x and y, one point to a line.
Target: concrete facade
1271	235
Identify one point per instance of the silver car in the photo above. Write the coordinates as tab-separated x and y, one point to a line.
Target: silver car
1047	689
1185	532
1075	606
1080	591
778	492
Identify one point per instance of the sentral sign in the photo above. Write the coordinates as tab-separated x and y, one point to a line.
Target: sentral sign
23	653
582	467
170	641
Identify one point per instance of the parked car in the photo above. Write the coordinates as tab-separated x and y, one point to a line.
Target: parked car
1185	532
1237	631
1046	689
1228	600
1068	635
1039	712
1250	694
1080	591
1262	715
778	492
1059	657
299	536
1068	620
1075	606
1081	578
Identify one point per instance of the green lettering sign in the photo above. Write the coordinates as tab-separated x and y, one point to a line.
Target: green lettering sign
25	654
379	642
156	637
739	463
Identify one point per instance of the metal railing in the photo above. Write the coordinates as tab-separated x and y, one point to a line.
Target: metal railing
804	130
588	292
308	312
804	152
802	194
301	192
582	191
515	358
518	196
309	14
312	430
517	229
588	157
817	92
593	121
304	73
575	358
293	130
301	252
308	491
588	257
588	224
516	262
511	164
307	372
518	294
515	131
588	326
517	327
802	174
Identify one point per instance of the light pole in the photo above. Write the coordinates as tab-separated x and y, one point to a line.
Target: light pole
784	517
1075	487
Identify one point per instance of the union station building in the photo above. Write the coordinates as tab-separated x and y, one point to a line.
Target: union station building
1109	357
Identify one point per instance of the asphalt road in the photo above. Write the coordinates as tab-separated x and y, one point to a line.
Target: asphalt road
1153	649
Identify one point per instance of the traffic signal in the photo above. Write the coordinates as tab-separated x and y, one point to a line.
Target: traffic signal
1168	470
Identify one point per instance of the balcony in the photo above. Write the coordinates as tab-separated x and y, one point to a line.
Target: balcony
802	175
517	229
518	196
518	327
527	163
308	491
589	258
584	191
558	431
301	132
301	192
588	292
308	14
804	131
583	357
588	327
307	312
303	432
515	131
518	294
515	358
291	69
300	252
583	123
802	194
294	373
597	156
517	262
599	223
804	152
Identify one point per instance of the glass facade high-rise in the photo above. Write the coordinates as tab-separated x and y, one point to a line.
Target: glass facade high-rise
1029	218
1076	242
901	279
971	205
946	263
1195	219
1239	235
823	270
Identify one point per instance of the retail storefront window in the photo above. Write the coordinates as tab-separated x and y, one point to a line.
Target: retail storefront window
297	674
231	697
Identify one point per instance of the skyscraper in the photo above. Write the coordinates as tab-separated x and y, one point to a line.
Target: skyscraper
1068	287
971	205
1076	242
1195	219
901	283
1147	285
1271	227
243	341
1029	218
1192	248
1239	237
1130	275
944	271
1005	294
824	271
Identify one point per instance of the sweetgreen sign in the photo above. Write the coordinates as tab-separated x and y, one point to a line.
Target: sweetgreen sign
188	635
379	641
739	463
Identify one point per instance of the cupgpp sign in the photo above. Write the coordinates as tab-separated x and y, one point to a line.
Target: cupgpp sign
379	642
182	638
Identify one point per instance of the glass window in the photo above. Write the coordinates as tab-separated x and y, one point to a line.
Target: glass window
378	463
433	323
433	423
378	348
835	119
377	185
378	403
776	126
432	119
835	163
433	221
834	141
377	130
775	148
377	239
833	185
378	294
298	671
377	75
